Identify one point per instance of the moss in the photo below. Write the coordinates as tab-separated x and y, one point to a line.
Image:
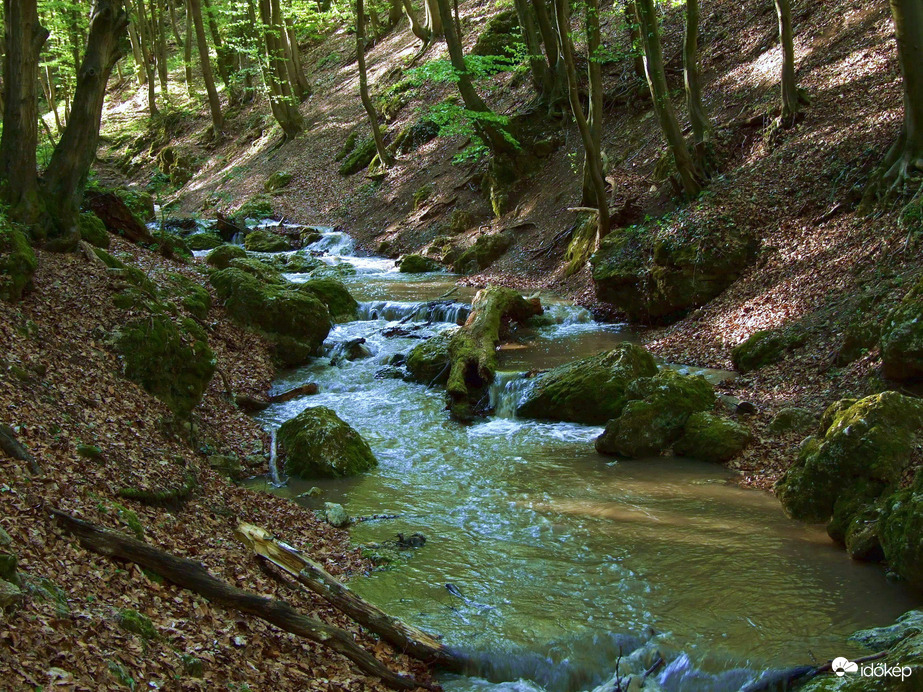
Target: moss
297	323
221	256
332	293
17	261
902	338
348	146
264	271
422	195
265	241
140	203
172	497
900	530
93	230
137	623
486	250
277	181
765	347
428	362
336	271
654	418
415	135
711	438
792	420
173	247
8	562
131	520
862	453
460	221
108	259
301	262
592	390
89	451
859	338
499	36
416	264
359	158
171	360
204	241
192	296
258	208
317	443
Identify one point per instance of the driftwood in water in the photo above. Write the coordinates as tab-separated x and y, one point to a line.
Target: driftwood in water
408	639
117	217
473	348
193	576
15	449
302	390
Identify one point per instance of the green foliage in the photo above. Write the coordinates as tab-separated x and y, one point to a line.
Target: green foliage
454	120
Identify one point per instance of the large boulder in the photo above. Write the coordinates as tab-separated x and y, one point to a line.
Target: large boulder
191	295
765	347
428	362
93	230
486	250
204	241
221	256
264	271
900	530
297	323
902	338
17	261
654	418
169	358
416	264
332	293
711	438
658	274
264	241
591	390
861	452
317	443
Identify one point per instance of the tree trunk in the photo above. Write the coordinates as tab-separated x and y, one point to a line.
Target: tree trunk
690	176
160	42
187	53
791	101
136	53
595	115
590	146
214	104
281	100
634	35
433	20
905	158
66	175
47	79
191	575
140	17
698	117
383	155
416	28
24	40
556	67
298	81
395	10
540	71
173	23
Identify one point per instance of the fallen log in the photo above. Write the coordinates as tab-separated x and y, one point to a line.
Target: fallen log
408	639
117	217
301	390
473	348
15	449
192	575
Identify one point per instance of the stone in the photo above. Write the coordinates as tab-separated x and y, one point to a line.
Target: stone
336	515
881	638
711	438
221	256
655	414
499	36
334	294
264	271
191	295
89	451
792	420
359	157
266	241
591	390
862	453
93	230
277	181
416	264
900	530
10	595
17	261
8	563
137	623
317	443
258	208
204	241
764	348
859	338
486	250
428	362
902	338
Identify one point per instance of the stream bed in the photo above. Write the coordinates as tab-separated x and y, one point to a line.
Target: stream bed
560	560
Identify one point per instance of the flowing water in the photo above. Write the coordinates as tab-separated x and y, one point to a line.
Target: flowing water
559	560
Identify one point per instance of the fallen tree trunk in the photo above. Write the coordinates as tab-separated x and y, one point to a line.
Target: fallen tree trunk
193	576
117	217
15	449
473	348
408	639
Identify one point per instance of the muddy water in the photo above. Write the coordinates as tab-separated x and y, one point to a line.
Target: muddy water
560	557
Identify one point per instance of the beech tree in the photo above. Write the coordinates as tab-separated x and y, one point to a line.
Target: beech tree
214	104
698	118
383	154
792	100
282	99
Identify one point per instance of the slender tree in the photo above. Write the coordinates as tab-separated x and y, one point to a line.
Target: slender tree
590	146
791	98
281	97
383	155
187	54
416	28
434	19
698	117
214	104
595	110
139	17
690	175
634	37
556	93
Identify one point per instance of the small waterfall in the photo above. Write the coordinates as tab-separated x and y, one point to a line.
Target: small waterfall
334	243
273	466
506	392
557	313
436	311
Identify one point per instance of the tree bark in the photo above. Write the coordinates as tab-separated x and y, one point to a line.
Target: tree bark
214	104
539	69
634	35
416	28
433	18
136	53
595	114
160	43
690	176
698	117
590	146
66	175
24	40
187	53
302	84
48	87
395	11
556	67
791	101
281	100
191	575
140	18
383	155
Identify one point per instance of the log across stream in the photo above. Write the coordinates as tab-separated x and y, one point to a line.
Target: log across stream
559	559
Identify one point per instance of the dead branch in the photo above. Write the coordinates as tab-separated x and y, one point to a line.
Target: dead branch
12	447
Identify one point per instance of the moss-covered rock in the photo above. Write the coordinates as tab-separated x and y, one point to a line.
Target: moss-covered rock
204	241
317	443
258	207
171	360
859	338
655	414
902	338
17	261
792	419
335	271
428	362
591	390
93	230
711	438
137	623
658	273
499	36
264	271
415	135
265	241
191	295
296	323
359	157
334	294
277	181
139	202
861	455
221	256
900	530
765	347
301	262
486	250
416	264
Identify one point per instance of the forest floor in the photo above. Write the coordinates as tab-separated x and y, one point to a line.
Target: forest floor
798	187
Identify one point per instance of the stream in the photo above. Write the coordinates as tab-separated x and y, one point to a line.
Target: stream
563	562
